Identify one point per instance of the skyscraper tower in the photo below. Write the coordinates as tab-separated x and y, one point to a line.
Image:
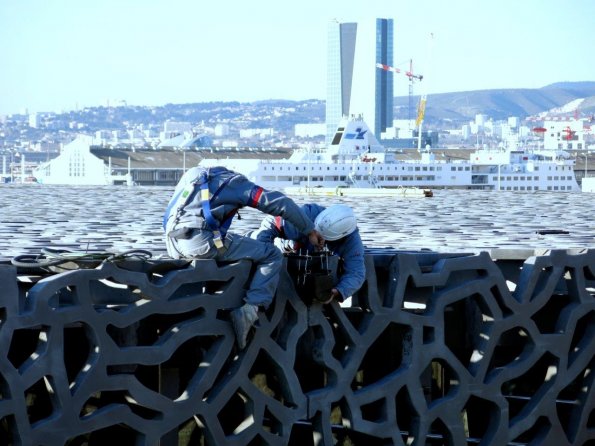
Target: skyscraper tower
383	94
340	59
354	85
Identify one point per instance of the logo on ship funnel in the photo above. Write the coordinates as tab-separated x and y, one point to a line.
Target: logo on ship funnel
359	134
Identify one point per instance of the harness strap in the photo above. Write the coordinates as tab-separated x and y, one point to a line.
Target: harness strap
201	182
279	226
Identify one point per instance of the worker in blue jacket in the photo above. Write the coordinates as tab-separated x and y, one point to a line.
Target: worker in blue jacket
337	225
196	225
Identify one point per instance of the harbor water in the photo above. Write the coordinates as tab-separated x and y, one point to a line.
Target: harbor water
118	218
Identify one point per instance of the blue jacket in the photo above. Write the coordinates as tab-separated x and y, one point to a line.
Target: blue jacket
230	191
350	249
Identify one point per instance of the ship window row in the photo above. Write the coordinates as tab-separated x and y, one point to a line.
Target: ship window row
374	168
530	178
535	188
344	178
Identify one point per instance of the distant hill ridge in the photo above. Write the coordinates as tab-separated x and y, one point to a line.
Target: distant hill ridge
442	110
503	103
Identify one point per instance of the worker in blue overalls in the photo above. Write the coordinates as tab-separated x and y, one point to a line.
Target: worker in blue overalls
196	225
337	225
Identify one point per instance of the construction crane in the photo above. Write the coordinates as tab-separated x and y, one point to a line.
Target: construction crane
409	74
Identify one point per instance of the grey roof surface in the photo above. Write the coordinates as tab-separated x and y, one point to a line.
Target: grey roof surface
120	218
172	159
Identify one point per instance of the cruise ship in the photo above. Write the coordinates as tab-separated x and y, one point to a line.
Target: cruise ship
355	159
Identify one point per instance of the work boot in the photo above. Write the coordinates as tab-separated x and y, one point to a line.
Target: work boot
242	319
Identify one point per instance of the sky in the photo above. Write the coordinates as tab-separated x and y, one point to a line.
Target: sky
59	55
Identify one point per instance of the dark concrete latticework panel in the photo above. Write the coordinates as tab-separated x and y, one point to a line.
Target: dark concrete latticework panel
435	348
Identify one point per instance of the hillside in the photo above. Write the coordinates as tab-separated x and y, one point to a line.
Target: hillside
501	103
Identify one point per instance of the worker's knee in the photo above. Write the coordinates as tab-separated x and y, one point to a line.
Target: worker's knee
273	254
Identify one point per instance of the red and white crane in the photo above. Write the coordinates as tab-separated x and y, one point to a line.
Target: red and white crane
421	108
408	73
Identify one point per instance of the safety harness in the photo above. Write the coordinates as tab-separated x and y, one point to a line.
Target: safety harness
186	195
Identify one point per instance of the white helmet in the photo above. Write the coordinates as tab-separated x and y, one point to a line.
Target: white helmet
335	222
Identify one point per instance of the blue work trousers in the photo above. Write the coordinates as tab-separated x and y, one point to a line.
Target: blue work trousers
267	258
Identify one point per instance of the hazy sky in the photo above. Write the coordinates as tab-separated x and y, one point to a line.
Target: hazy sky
62	54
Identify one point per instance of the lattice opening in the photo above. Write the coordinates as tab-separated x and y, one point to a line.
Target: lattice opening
268	376
582	338
380	361
467	323
78	351
439	434
591	420
189	433
481	418
309	366
8	430
438	380
375	411
271	423
38	399
5	393
525	391
415	297
547	317
27	345
511	346
237	414
571	401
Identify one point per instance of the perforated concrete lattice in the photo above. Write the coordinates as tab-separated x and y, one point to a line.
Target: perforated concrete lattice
435	348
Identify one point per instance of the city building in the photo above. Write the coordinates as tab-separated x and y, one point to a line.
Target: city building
355	86
339	76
